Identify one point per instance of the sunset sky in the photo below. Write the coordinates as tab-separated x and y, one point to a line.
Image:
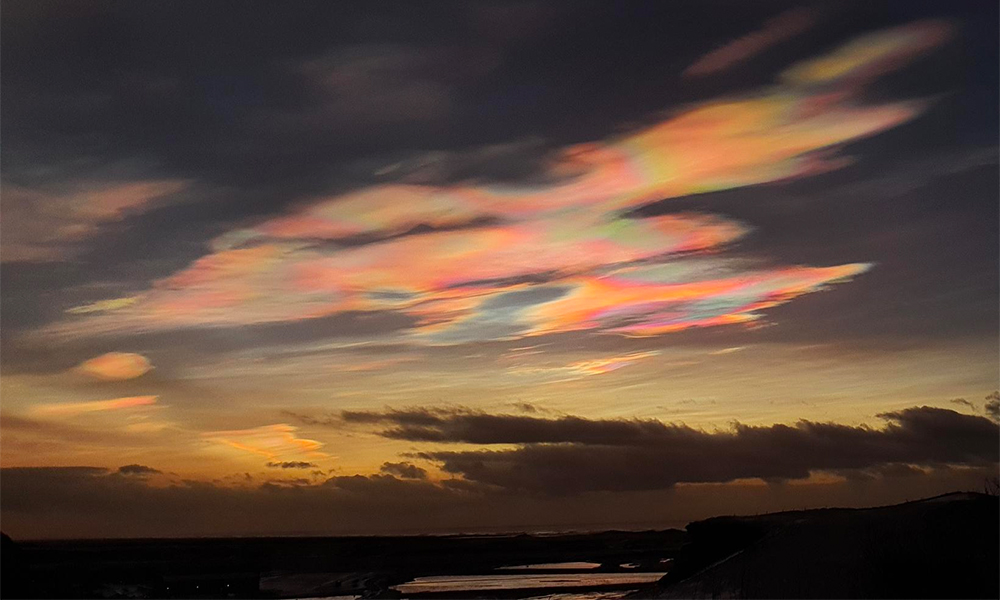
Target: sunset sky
320	268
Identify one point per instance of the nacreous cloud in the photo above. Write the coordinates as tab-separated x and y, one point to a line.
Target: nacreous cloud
115	366
776	30
472	263
70	409
273	442
43	225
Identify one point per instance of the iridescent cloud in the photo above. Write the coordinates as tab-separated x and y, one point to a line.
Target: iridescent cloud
69	409
272	442
581	368
41	225
776	30
103	305
115	366
599	366
869	56
633	306
501	262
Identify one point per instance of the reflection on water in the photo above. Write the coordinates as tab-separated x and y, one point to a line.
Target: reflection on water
473	583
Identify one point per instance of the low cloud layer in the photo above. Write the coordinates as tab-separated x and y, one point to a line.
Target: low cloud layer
571	454
292	464
73	502
992	406
403	470
138	470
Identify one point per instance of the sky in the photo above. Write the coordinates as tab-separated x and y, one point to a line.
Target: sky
323	268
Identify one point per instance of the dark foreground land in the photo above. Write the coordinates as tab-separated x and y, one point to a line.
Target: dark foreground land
304	567
943	547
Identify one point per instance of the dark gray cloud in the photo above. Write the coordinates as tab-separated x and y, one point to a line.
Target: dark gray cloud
963	402
992	406
138	470
73	502
403	470
292	464
572	454
55	474
65	501
457	425
311	419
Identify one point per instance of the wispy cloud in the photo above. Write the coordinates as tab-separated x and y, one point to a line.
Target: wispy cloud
581	368
273	442
69	409
103	305
138	470
44	225
729	350
403	470
776	30
869	56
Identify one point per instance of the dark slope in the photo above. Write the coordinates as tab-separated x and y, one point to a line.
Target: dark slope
942	547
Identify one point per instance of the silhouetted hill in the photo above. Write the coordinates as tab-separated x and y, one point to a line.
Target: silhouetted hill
942	547
11	564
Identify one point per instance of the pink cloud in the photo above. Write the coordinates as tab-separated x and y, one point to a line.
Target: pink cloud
776	30
568	243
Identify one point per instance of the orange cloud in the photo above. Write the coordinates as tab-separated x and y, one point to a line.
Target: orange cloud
270	441
69	409
115	366
635	307
599	366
